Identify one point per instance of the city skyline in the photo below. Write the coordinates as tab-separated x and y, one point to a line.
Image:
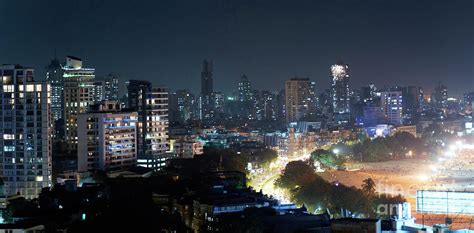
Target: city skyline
224	116
278	40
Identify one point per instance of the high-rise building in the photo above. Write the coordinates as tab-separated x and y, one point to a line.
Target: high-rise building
151	104
107	140
373	115
468	103
111	87
206	78
468	98
204	100
217	107
78	96
281	105
244	89
392	106
340	94
297	92
26	132
54	76
98	91
106	88
312	100
269	105
245	99
181	106
368	93
440	96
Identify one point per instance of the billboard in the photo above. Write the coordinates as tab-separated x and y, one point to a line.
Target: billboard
444	202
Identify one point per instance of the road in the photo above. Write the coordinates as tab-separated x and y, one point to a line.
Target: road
265	179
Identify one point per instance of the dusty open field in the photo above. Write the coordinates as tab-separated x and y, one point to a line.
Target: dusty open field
406	176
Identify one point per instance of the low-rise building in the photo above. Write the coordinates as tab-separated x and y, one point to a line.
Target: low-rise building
356	225
411	129
186	149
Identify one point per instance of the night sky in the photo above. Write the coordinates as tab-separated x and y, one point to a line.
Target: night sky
405	42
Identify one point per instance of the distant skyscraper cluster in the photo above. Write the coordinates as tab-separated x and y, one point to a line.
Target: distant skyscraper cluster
336	104
87	118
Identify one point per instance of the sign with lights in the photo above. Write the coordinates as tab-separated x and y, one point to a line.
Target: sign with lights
444	202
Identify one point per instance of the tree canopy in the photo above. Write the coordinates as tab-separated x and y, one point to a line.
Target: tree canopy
306	187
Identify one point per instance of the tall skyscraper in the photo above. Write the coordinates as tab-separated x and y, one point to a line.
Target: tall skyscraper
78	96
312	100
107	139
412	100
340	93
111	87
26	132
106	88
392	107
151	104
281	105
206	78
269	105
244	89
204	101
98	91
440	96
181	106
54	76
297	92
245	98
217	105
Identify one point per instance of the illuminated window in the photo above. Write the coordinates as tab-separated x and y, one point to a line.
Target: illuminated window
30	88
8	148
6	79
8	136
8	88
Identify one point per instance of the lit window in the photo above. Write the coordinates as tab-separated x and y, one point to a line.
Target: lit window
30	88
8	148
6	79
8	88
8	136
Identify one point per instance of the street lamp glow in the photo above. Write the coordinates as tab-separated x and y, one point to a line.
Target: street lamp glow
335	151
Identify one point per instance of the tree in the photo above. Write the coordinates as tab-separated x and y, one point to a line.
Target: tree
327	158
368	187
296	173
266	156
